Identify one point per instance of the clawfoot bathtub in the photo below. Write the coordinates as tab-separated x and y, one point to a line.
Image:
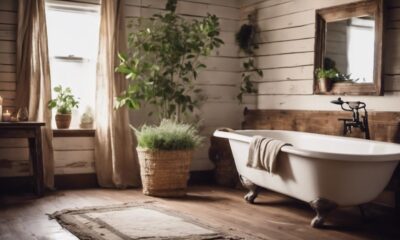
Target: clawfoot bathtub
325	171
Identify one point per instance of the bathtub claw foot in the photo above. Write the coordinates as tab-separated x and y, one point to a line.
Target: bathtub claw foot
322	207
253	189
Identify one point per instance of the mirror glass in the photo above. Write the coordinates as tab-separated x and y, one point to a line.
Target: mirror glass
349	49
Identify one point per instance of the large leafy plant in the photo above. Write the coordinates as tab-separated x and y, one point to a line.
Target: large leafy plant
164	59
64	102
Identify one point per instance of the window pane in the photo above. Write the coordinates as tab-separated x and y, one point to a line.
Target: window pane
74	33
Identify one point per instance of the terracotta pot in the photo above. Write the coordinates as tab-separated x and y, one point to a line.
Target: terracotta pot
63	120
324	85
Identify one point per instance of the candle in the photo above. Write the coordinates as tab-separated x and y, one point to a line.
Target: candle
7	116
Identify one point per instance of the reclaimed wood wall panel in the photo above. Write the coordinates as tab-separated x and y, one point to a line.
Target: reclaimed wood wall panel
220	80
286	36
384	126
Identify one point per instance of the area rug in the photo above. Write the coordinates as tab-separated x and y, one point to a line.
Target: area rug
135	221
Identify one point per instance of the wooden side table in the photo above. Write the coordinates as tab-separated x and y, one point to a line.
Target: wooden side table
31	131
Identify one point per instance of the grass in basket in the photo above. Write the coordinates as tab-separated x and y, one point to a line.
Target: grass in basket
169	135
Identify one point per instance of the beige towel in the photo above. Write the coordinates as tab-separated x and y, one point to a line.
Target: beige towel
263	153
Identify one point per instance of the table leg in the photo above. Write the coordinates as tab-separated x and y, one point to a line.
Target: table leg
35	148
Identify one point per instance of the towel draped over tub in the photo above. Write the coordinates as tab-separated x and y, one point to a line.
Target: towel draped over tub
263	153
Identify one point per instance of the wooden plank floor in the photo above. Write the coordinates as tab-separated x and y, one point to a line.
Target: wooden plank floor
272	217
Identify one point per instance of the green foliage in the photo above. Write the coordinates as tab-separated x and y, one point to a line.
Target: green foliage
245	38
334	75
163	61
247	85
64	102
326	73
331	72
169	135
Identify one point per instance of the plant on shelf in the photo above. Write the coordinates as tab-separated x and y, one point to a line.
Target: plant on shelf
246	39
335	76
325	78
163	60
64	103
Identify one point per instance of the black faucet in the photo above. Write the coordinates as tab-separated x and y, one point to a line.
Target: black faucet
349	123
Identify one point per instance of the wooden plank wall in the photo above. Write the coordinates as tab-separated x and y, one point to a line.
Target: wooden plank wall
286	55
13	152
8	35
72	155
220	81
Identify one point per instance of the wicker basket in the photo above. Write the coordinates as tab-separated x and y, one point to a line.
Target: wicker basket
164	173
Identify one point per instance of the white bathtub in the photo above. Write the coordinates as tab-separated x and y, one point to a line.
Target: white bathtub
326	171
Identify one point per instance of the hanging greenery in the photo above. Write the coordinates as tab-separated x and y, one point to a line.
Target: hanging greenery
245	38
164	59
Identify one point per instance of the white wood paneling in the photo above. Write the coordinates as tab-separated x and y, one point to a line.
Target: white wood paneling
295	33
285	60
72	155
8	21
73	143
74	162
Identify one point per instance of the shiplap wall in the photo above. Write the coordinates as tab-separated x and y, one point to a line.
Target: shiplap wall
8	35
13	152
286	54
220	80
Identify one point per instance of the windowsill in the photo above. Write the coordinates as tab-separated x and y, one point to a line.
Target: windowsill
78	132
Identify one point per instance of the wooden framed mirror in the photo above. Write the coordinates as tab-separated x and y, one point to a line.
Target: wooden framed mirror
348	49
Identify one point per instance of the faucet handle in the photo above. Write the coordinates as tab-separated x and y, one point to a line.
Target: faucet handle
338	101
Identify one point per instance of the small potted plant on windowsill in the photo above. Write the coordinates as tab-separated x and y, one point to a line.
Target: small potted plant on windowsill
325	77
64	103
165	153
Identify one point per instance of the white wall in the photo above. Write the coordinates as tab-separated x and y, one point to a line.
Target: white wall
286	55
8	35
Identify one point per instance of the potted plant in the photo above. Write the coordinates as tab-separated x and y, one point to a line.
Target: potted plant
64	103
246	39
165	153
162	62
325	77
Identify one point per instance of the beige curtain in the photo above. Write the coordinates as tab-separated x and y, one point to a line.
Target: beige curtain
116	159
33	74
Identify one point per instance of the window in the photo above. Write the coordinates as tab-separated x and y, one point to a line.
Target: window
361	40
73	36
